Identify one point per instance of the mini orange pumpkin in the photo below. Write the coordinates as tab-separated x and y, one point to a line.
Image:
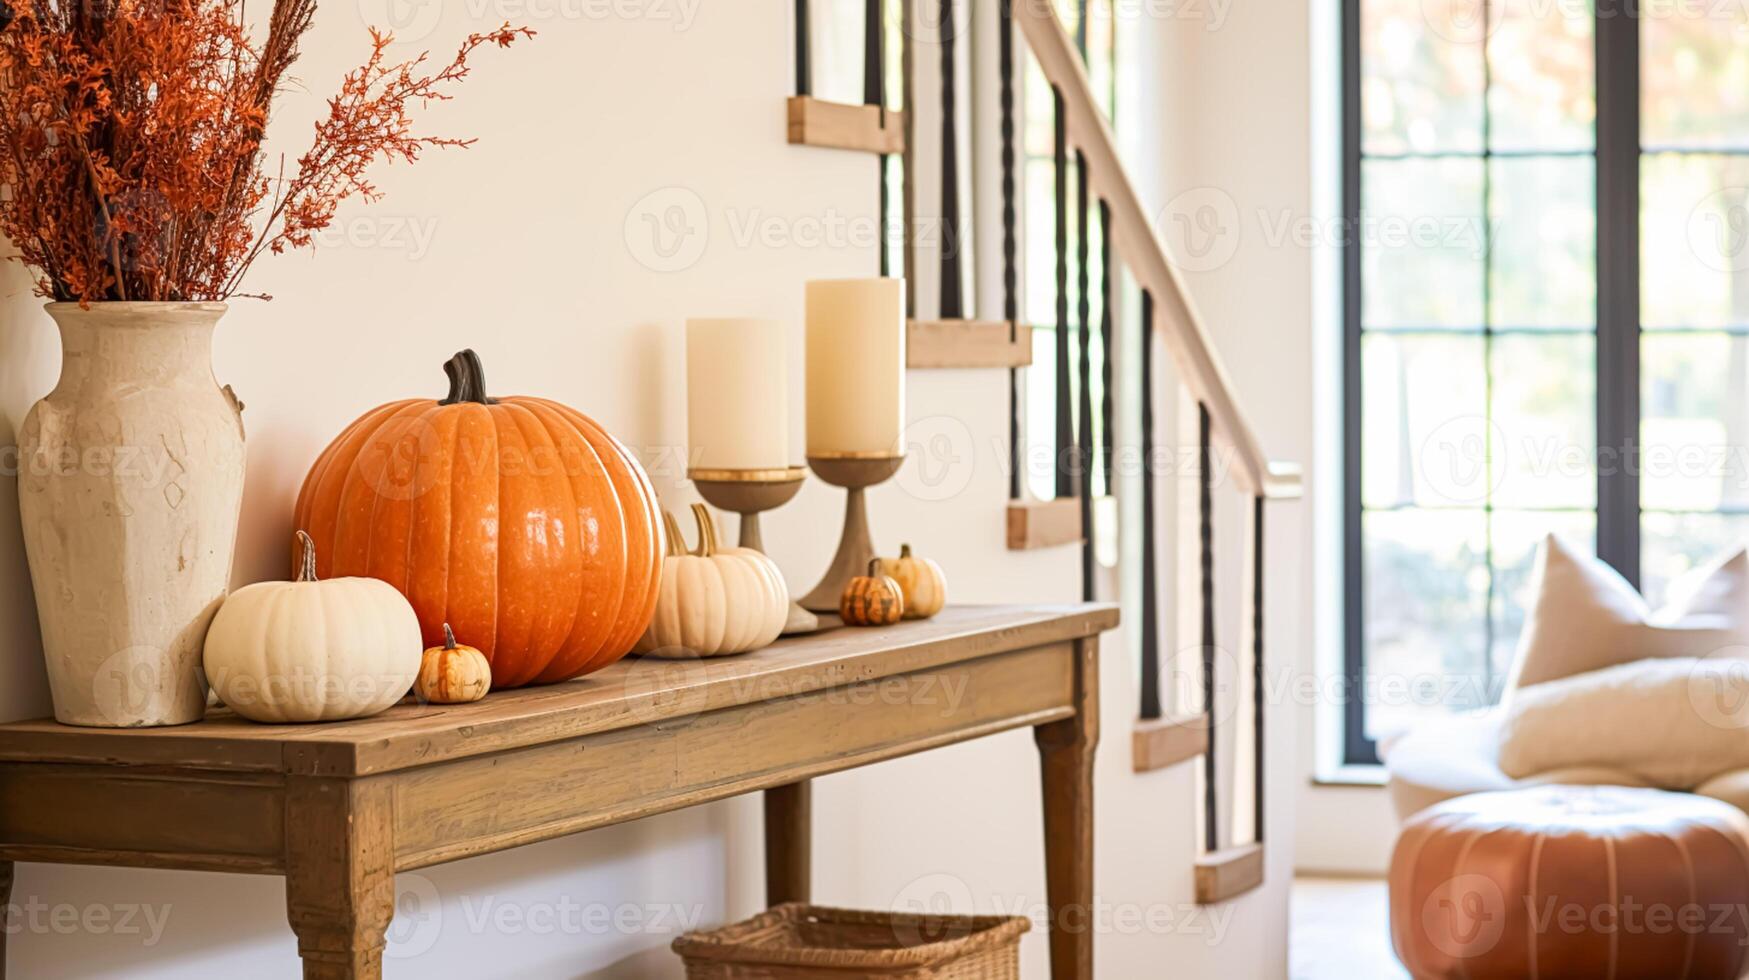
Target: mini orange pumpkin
872	599
452	673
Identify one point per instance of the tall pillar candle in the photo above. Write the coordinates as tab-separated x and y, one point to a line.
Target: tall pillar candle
856	368
737	394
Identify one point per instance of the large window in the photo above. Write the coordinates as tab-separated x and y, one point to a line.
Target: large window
1547	323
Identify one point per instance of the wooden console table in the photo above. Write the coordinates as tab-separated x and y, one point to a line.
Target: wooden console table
338	809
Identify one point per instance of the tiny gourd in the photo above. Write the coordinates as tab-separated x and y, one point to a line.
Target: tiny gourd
921	581
872	599
453	673
309	650
714	601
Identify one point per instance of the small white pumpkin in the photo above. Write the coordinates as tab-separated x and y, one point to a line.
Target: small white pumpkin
313	651
714	601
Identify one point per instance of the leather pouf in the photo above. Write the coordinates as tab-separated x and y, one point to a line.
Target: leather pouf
1573	882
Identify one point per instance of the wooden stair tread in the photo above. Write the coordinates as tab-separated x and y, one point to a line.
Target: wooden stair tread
1035	524
843	126
967	344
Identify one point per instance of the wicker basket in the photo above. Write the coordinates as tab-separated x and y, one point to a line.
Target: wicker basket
805	942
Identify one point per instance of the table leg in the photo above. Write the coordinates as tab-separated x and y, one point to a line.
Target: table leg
340	874
789	843
1066	757
5	900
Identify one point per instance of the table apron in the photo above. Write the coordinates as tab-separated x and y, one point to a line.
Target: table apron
482	804
142	817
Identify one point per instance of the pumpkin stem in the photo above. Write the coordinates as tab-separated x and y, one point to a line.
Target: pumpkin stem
707	531
306	557
676	540
448	637
904	551
874	568
467	380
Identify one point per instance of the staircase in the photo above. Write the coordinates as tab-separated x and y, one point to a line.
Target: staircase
1164	735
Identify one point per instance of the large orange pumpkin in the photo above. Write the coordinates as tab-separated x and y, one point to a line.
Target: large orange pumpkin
518	521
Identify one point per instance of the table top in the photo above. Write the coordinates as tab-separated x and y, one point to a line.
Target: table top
637	692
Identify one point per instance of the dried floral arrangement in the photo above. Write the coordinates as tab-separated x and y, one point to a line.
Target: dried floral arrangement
131	157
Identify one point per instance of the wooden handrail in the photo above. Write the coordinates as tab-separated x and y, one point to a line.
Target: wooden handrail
1133	234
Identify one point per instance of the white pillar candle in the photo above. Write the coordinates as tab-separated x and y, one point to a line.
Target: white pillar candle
737	395
856	367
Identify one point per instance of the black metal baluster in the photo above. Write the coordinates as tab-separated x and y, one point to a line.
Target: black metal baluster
1065	439
1084	372
1107	411
804	57
1206	508
1151	707
952	288
1010	268
874	92
1257	663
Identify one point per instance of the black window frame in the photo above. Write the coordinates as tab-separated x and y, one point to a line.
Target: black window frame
1618	150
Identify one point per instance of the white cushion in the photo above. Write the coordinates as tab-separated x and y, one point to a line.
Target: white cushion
1675	722
1587	617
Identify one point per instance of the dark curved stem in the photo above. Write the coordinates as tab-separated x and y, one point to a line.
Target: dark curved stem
467	380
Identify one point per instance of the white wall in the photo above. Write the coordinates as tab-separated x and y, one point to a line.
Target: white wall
535	249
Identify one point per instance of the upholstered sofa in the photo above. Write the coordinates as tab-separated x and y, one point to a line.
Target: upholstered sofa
1455	756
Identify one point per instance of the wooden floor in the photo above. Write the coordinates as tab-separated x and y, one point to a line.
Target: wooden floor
1340	931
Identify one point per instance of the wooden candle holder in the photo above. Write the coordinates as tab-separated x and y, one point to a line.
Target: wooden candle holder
855	547
750	493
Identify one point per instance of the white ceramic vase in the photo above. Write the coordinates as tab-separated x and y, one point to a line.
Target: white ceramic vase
130	487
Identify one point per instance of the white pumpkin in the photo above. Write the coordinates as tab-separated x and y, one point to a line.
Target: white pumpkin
714	601
313	651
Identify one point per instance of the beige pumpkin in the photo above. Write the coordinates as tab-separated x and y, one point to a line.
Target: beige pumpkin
313	651
715	601
921	580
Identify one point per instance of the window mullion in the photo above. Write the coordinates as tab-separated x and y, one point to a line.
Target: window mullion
1618	285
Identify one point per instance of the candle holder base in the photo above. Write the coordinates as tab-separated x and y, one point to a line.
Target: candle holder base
855	546
749	493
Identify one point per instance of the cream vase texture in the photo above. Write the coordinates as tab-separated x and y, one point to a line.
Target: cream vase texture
310	650
130	489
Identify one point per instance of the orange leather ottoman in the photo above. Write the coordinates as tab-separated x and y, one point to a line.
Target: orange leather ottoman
1573	882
